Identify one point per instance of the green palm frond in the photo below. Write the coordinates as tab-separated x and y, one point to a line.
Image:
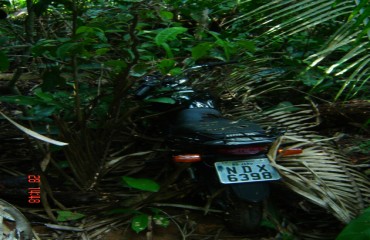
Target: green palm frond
354	65
289	17
345	55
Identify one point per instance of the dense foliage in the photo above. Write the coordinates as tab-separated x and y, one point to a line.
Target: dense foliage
88	56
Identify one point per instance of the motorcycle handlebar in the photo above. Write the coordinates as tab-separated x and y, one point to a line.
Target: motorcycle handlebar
153	81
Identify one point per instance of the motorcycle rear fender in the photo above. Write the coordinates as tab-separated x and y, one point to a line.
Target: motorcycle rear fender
251	192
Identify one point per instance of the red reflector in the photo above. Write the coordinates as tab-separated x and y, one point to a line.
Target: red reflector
243	150
291	151
187	158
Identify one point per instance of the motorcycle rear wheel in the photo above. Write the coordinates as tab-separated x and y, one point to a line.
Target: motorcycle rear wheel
244	217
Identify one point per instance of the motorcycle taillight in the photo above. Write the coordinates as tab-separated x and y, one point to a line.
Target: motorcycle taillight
187	158
246	150
290	151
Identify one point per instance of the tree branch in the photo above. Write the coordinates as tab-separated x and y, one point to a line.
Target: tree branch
122	82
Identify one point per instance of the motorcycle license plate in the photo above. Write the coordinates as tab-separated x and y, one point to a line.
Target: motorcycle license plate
244	171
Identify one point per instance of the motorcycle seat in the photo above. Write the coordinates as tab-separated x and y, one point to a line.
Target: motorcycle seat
207	126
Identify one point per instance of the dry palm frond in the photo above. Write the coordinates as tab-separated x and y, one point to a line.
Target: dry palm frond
321	173
325	177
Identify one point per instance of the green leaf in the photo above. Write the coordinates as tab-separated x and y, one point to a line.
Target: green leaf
139	223
176	71
268	224
49	42
247	45
357	10
358	228
64	216
46	47
168	34
165	100
166	65
141	184
101	51
4	62
201	50
166	15
65	49
42	112
47	97
168	50
216	35
86	29
101	36
92	31
227	46
116	65
139	70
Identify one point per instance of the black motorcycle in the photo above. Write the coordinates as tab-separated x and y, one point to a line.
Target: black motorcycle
228	157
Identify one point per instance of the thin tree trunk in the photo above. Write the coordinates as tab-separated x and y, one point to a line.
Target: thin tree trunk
30	22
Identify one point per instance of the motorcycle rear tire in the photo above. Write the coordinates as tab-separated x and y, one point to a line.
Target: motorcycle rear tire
244	217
